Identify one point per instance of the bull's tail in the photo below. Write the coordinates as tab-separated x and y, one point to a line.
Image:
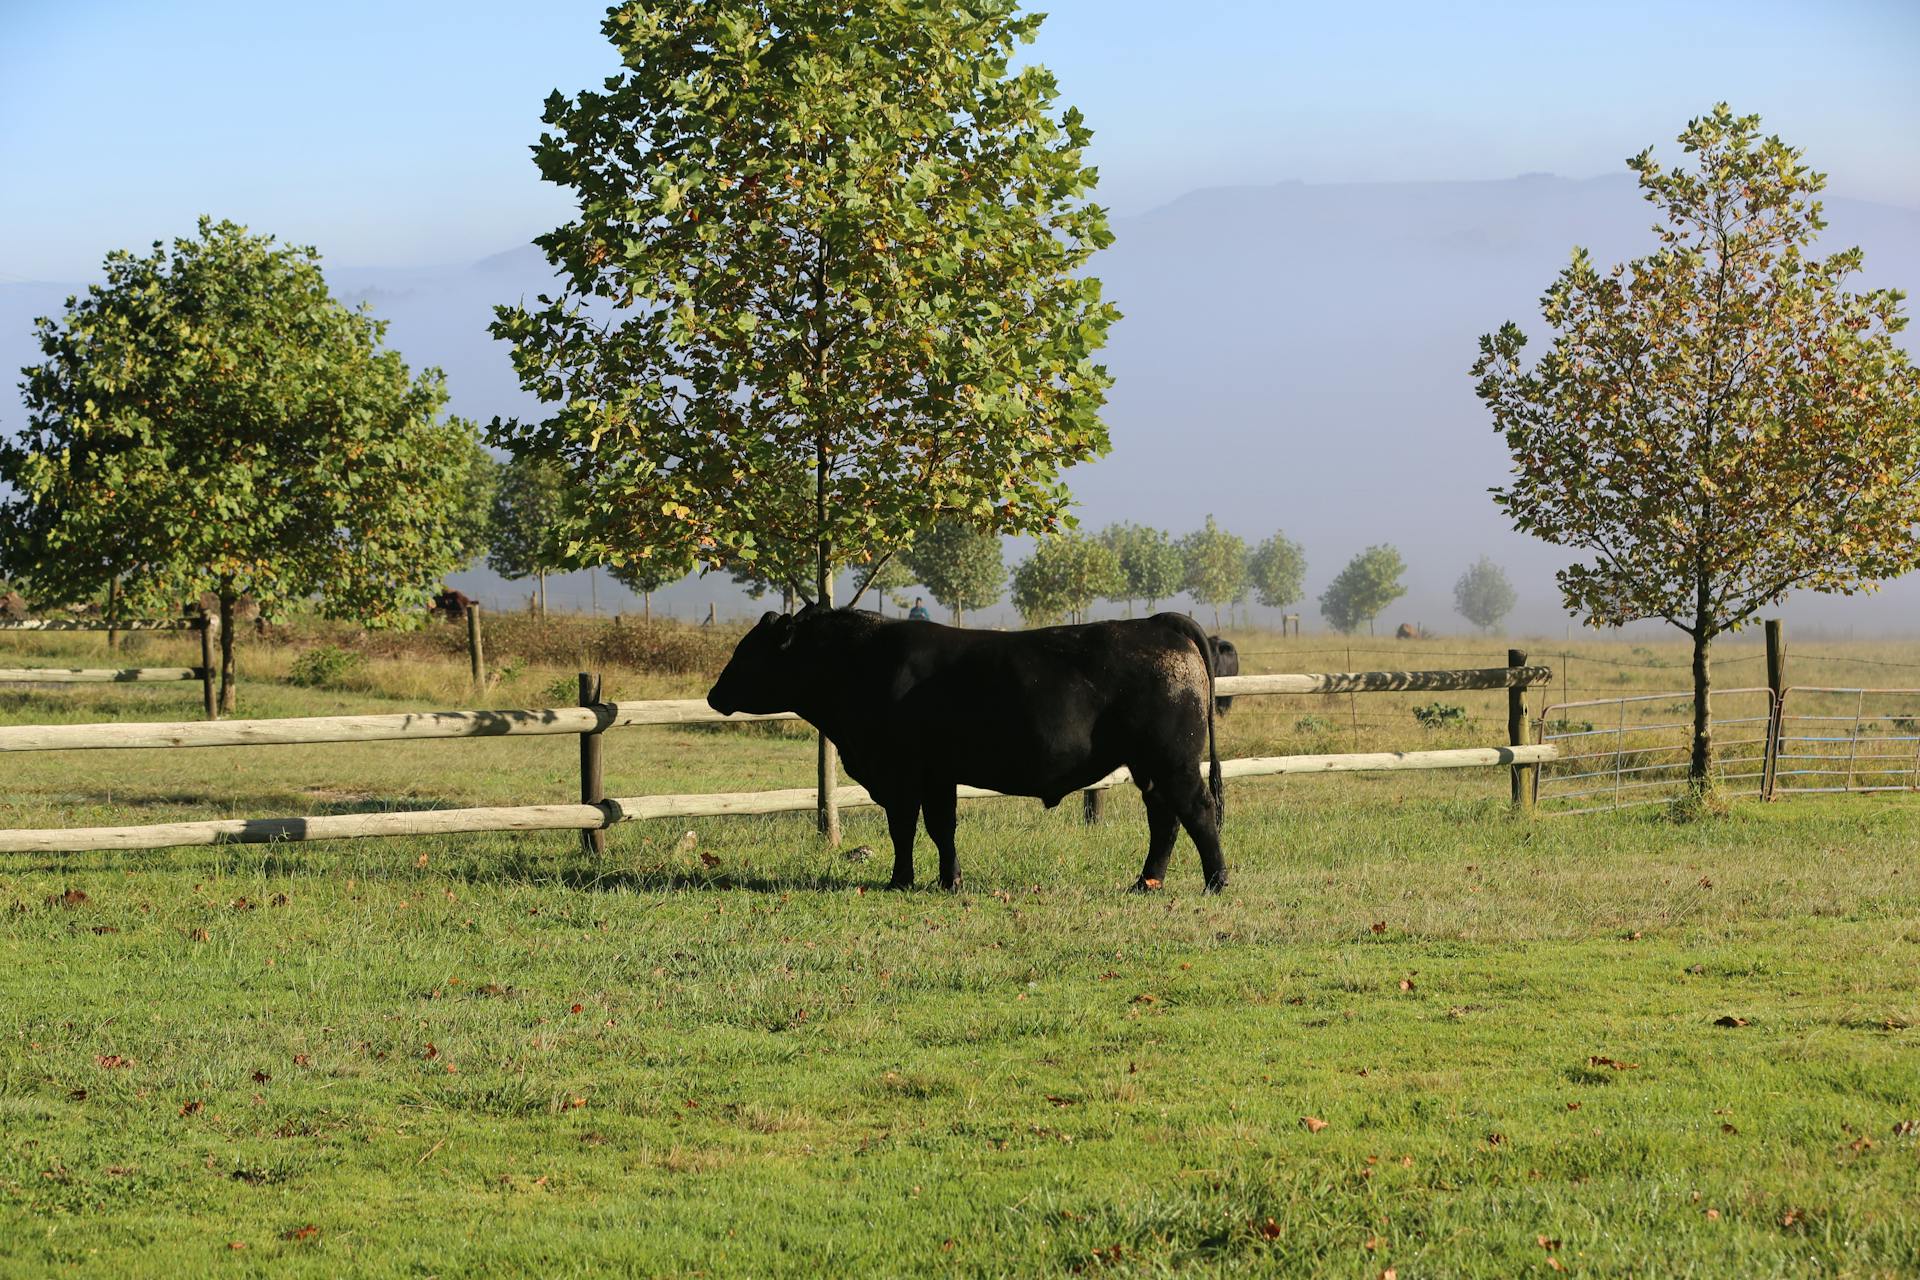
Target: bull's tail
1193	631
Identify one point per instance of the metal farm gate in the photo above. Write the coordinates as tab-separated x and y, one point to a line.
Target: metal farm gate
1619	753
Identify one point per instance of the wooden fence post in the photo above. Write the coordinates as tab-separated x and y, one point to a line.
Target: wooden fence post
476	660
205	628
1777	682
1095	805
592	765
1526	777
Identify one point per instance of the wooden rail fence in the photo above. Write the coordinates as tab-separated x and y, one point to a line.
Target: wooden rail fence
595	813
204	673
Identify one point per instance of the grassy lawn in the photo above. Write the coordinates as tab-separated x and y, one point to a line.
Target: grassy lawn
735	1055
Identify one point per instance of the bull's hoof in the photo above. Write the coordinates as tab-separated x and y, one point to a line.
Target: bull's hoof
1215	884
951	886
898	884
1145	884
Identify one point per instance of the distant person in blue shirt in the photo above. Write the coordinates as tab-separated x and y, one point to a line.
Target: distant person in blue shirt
919	611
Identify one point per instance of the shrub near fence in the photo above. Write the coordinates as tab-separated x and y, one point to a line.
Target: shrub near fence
595	812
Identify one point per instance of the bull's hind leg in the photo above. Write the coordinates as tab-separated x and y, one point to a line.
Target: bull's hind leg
903	816
1181	792
1163	825
941	806
1202	821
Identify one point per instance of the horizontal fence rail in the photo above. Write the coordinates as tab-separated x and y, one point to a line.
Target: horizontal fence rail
96	624
585	817
619	715
102	675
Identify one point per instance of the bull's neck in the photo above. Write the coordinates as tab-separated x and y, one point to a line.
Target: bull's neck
823	700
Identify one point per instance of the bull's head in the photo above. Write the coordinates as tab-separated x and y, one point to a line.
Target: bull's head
764	674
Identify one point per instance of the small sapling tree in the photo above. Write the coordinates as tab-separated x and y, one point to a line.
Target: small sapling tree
1063	577
961	567
1369	583
1278	568
526	529
1216	567
1149	561
1483	595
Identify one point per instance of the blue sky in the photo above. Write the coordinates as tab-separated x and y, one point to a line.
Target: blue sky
395	133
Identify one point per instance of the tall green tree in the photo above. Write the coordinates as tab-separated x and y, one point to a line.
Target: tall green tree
836	261
1483	595
1278	569
961	567
828	281
1150	563
1063	577
527	529
210	419
1369	583
1216	563
1719	422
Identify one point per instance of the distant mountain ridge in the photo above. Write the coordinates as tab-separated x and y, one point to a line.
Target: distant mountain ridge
1292	356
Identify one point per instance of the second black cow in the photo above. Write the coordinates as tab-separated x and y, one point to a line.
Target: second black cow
918	709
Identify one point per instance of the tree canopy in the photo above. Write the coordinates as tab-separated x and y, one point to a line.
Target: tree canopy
210	419
527	528
1483	595
1720	421
1150	564
1278	568
1063	577
828	281
1216	566
961	568
1369	583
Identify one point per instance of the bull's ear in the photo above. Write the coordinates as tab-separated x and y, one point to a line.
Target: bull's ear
784	630
768	616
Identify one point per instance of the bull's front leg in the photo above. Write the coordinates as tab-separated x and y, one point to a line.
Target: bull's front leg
902	818
941	804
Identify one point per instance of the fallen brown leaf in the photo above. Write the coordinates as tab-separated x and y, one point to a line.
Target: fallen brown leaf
1729	1020
1378	926
307	1232
1314	1123
1615	1063
1269	1230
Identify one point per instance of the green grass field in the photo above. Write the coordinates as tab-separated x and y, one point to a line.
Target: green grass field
1416	1035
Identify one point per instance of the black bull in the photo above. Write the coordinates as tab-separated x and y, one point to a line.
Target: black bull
917	708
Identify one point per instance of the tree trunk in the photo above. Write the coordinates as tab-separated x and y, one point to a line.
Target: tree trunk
541	578
113	612
956	615
229	682
646	607
1701	762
